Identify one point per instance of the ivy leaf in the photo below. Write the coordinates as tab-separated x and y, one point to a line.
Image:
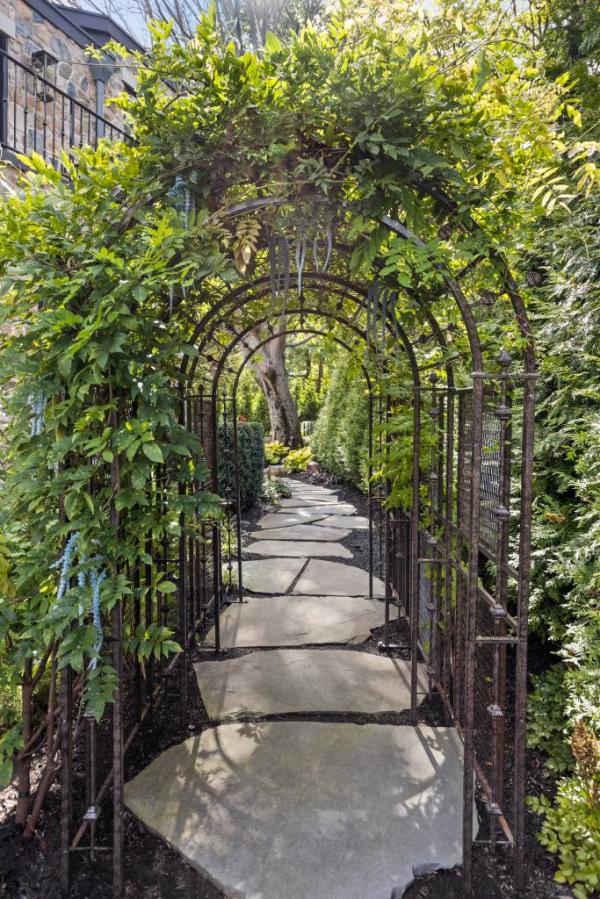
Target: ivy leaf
153	452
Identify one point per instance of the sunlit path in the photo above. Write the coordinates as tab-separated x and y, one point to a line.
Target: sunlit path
253	798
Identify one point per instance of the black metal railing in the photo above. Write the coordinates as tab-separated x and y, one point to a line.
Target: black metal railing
37	116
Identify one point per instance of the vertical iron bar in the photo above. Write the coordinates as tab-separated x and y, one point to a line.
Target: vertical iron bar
149	602
238	496
503	414
66	747
182	580
4	91
136	623
216	532
471	633
414	554
380	486
370	493
386	512
117	653
522	613
432	541
448	616
459	616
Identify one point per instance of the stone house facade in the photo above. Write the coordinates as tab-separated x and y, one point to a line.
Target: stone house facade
53	97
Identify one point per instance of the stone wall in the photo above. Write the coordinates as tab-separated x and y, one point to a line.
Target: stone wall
47	120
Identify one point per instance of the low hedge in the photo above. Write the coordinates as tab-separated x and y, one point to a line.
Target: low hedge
251	455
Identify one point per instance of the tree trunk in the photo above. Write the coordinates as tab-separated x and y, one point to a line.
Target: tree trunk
268	367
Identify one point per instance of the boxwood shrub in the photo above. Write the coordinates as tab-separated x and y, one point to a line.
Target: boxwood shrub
251	438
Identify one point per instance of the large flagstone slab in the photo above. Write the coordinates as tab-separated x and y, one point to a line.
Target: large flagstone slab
328	508
280	681
355	522
301	532
307	810
298	621
289	517
272	575
310	498
306	549
297	487
322	578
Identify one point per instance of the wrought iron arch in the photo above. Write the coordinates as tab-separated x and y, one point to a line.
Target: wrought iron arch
487	622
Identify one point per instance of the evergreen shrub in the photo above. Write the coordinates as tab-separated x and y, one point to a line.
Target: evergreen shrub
251	457
340	438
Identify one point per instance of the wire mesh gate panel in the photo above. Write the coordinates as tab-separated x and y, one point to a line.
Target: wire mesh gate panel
473	641
93	753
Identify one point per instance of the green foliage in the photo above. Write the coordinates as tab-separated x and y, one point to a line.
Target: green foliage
86	351
373	113
275	489
571	824
340	437
275	452
251	401
547	721
298	459
251	460
571	830
566	525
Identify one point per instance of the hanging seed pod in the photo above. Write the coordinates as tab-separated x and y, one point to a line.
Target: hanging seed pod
316	252
329	246
300	259
285	267
272	251
187	205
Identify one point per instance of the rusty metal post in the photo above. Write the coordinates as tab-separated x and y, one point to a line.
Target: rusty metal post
522	618
216	530
448	542
471	631
117	722
414	554
238	496
370	494
66	752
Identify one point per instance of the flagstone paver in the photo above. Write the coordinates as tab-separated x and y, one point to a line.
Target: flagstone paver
281	681
306	549
298	621
307	810
272	576
290	516
325	508
296	487
301	532
322	497
355	522
335	579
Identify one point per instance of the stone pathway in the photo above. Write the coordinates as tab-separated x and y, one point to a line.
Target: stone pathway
306	809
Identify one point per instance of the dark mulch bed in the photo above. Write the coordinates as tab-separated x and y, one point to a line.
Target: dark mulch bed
29	869
492	874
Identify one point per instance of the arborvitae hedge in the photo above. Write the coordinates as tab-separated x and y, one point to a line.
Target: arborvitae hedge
340	438
251	454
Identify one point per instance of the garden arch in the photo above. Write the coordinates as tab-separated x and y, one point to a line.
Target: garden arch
465	603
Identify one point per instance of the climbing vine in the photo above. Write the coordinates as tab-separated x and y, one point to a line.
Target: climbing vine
106	265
